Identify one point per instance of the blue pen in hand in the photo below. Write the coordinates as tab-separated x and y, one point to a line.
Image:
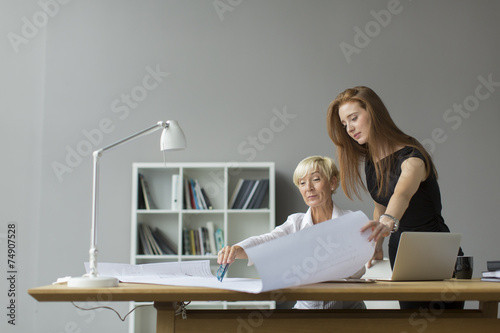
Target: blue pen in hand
222	271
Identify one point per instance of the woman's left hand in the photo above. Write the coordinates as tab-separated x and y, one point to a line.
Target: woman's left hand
379	230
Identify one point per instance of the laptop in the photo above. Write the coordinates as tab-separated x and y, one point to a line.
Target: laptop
426	256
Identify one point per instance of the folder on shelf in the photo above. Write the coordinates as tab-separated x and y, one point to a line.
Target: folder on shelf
176	203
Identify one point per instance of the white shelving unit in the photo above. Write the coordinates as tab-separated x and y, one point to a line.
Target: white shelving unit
219	181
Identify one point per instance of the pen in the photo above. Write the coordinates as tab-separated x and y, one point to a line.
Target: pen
222	271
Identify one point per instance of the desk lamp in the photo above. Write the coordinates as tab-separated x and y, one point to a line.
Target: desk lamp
172	138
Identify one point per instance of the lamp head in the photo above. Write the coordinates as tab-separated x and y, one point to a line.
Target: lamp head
172	137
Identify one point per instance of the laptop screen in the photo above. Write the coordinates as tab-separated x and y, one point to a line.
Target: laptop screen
425	256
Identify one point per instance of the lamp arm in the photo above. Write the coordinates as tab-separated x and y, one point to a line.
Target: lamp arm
95	190
149	130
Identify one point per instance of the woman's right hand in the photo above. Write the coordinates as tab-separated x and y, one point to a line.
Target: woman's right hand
379	230
229	254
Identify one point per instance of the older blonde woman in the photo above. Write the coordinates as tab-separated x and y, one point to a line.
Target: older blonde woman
316	177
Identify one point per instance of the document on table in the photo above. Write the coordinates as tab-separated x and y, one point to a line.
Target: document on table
330	250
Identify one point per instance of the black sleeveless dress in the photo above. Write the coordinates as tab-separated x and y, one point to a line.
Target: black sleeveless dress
424	210
423	213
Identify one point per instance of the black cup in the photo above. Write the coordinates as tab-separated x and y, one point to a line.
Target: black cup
463	267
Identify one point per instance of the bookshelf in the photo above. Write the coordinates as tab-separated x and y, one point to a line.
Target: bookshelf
162	202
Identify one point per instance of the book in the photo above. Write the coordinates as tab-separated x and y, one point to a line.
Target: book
492	274
191	195
148	199
192	240
152	240
235	192
194	199
260	194
248	199
201	240
176	203
197	196
201	248
204	246
490	280
140	196
143	243
239	195
197	241
211	238
206	198
201	200
249	193
245	189
149	243
206	240
186	242
219	239
166	246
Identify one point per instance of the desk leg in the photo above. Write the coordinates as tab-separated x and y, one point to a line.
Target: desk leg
489	309
165	317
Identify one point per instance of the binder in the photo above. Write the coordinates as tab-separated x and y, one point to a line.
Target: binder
176	203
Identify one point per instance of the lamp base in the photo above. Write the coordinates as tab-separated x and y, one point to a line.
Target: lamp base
93	282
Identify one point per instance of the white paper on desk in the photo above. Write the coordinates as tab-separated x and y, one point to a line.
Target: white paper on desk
330	250
187	273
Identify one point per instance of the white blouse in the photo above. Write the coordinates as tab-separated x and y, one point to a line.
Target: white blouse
294	223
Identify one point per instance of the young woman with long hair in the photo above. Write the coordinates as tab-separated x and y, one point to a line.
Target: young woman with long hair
400	175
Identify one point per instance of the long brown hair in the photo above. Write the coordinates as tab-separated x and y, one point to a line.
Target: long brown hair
384	138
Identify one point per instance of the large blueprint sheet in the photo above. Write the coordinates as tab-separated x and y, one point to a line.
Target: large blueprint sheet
330	250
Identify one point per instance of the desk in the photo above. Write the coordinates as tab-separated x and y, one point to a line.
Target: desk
167	298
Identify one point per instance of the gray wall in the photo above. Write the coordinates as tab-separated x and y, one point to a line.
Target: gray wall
248	83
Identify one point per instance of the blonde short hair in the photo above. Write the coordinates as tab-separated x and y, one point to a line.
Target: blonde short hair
325	165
